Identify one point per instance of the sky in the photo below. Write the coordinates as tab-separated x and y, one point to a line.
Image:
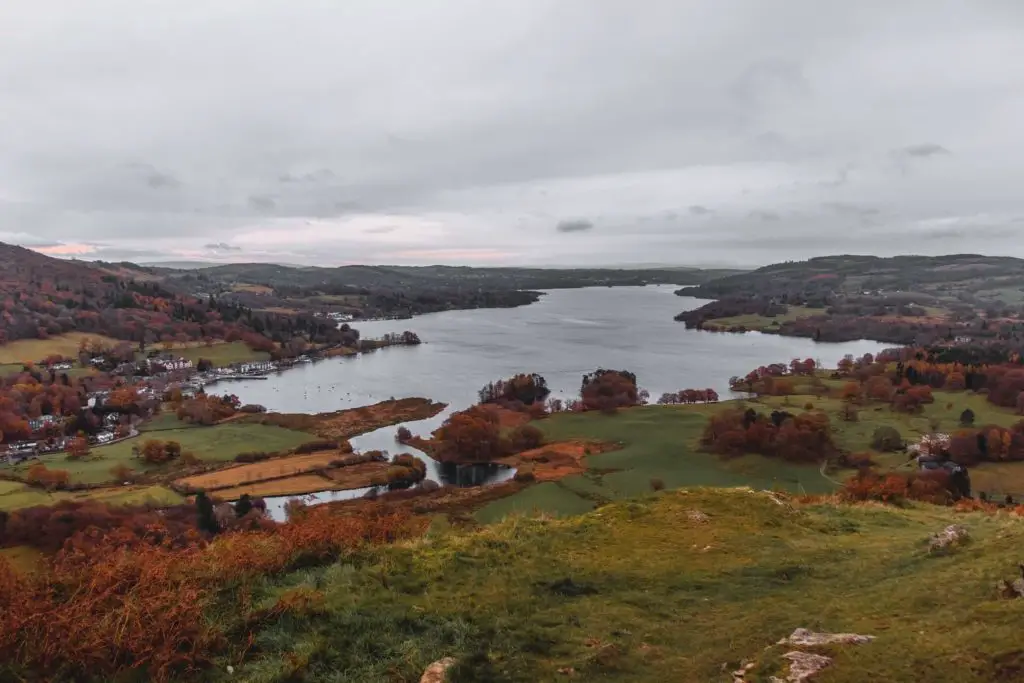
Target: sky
511	132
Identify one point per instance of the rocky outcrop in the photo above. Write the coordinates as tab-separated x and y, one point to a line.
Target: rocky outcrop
438	671
950	537
802	665
804	638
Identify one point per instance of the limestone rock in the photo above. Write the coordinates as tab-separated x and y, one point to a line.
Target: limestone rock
437	672
952	535
805	638
697	517
802	666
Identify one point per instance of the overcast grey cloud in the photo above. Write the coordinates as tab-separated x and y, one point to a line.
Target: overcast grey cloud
575	225
458	131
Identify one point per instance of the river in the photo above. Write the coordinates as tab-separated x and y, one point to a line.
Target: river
563	336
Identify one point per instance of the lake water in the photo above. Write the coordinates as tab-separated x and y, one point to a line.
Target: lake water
565	335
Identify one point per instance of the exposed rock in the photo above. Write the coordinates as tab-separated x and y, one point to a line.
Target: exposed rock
802	666
697	517
428	485
952	535
1013	589
740	674
437	672
803	637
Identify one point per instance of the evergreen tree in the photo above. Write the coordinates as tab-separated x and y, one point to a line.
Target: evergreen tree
206	521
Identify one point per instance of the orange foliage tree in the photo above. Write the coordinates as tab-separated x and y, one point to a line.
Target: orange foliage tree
158	452
805	437
77	448
608	390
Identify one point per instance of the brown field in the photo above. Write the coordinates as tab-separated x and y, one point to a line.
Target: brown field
280	310
258	471
557	460
34	350
356	476
344	424
252	289
290	486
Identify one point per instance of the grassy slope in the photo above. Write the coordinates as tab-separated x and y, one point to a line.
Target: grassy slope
675	600
219	443
658	442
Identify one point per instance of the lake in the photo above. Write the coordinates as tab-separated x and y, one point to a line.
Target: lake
565	335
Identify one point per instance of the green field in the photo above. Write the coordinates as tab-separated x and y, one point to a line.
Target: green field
164	421
34	350
659	442
224	353
220	443
14	495
666	598
761	322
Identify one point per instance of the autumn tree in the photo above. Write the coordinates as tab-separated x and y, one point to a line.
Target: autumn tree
526	389
472	435
608	390
157	452
77	448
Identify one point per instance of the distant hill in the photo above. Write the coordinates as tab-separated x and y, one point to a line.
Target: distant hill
439	276
964	278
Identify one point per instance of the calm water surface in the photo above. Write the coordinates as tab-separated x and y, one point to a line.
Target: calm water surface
563	336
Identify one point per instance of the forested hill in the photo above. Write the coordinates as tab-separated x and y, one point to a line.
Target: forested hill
439	277
44	296
966	278
398	291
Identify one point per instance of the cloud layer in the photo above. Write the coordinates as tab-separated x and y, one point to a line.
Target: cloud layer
689	132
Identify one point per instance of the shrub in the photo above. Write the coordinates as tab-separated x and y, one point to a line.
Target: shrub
967	417
808	406
886	439
525	438
525	474
122	472
157	452
315	446
657	484
253	456
403	435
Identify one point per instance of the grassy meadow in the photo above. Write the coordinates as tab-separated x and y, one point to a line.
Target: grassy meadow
661	442
15	495
641	591
219	443
35	350
752	321
222	353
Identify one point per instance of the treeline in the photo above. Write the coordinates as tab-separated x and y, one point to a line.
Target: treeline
801	438
43	297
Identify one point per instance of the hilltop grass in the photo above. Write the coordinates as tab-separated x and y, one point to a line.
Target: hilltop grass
35	350
667	598
219	443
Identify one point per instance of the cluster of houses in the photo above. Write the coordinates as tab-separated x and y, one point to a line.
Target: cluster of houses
152	377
